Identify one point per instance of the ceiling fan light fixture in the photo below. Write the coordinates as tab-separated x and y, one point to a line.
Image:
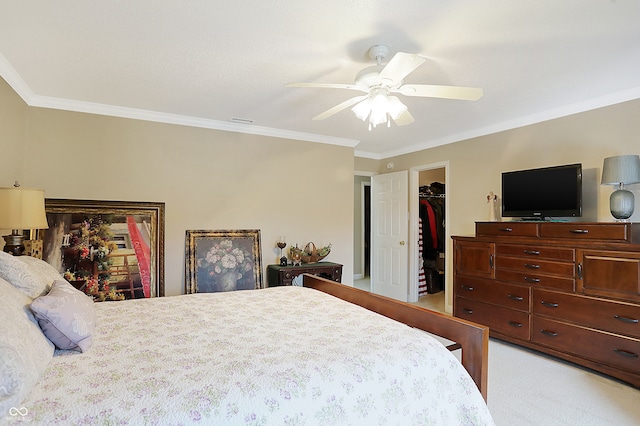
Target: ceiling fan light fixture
362	109
396	107
379	108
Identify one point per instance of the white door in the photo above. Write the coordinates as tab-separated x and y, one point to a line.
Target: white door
389	232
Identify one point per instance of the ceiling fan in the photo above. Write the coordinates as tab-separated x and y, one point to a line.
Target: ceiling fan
379	81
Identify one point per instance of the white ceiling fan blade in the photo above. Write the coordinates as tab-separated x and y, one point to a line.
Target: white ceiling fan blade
328	86
336	109
435	91
404	118
401	65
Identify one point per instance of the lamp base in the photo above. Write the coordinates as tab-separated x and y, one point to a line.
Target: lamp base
14	244
621	204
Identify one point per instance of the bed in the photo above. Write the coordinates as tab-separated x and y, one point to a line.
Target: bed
283	356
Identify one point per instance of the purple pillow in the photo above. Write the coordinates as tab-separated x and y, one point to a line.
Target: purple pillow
66	316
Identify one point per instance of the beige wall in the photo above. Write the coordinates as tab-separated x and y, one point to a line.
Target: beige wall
476	164
427	177
208	179
13	121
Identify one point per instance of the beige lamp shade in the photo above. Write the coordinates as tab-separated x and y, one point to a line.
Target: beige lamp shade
22	208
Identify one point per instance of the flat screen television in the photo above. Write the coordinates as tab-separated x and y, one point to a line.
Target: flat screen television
543	193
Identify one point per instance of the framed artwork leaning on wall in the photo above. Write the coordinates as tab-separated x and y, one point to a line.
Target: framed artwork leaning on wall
223	260
111	250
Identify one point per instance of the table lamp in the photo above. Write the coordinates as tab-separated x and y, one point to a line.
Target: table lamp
621	170
20	209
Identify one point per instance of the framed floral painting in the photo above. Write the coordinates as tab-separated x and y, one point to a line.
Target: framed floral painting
224	260
111	250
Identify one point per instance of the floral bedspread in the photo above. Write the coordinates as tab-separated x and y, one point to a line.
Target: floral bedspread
276	356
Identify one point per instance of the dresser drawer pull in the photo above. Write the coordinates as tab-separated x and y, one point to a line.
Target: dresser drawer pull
532	280
625	319
549	333
628	354
506	229
465	287
579	231
531	266
549	304
467	311
515	324
579	271
516	298
532	252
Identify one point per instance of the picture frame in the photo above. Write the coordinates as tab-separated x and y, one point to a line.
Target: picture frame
111	250
223	260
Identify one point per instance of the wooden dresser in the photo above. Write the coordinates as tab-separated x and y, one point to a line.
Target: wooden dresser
571	290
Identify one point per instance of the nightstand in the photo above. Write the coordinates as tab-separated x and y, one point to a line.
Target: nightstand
284	275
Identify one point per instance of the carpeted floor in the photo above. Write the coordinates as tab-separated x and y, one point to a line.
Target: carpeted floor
529	388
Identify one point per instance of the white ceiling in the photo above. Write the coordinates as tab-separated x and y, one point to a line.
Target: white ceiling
204	62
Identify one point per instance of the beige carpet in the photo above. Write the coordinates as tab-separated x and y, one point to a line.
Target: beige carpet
528	388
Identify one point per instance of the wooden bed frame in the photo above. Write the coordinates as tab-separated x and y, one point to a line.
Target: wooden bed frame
472	338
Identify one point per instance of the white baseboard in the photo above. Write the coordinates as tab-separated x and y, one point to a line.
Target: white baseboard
357	276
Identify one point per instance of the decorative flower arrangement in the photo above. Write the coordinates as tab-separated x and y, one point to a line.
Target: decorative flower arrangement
93	287
92	241
224	257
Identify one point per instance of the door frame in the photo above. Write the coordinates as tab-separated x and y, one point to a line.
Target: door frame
414	220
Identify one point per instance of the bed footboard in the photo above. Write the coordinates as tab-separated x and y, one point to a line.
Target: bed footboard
473	338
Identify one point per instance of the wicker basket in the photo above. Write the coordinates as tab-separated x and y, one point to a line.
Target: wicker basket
310	254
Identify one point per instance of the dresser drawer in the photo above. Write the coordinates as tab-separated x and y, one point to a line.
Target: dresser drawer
611	349
501	320
607	315
613	274
474	258
615	232
490	291
537	280
526	265
518	229
537	252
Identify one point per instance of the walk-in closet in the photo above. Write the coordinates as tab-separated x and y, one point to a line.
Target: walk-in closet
431	229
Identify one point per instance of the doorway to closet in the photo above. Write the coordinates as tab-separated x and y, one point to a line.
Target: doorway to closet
428	205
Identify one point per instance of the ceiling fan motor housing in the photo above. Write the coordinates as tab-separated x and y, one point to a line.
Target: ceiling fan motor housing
379	52
369	77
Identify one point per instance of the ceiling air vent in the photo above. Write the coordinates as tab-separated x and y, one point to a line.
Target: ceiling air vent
241	120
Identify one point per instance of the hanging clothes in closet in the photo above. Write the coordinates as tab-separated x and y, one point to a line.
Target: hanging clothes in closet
431	238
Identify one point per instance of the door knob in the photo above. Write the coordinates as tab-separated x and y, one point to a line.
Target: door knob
401	243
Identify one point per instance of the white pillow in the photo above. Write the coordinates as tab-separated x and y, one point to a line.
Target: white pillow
41	269
30	275
25	352
66	316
